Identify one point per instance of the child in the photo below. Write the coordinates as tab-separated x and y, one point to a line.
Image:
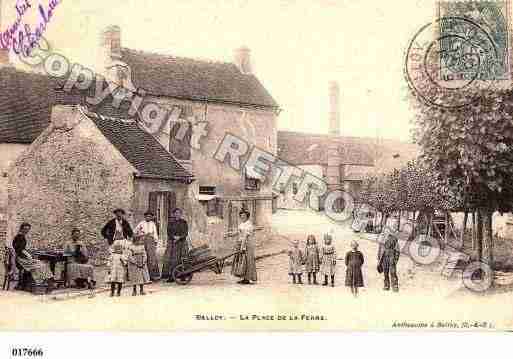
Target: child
328	260
117	267
312	258
296	262
137	266
354	262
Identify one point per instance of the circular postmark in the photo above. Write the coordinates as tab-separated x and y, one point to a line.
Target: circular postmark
450	61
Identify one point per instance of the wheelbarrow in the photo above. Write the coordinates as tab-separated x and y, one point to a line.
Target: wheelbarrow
183	273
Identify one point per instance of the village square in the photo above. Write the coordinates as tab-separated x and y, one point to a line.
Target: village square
151	182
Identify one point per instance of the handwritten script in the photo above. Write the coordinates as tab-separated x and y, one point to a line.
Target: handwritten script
20	37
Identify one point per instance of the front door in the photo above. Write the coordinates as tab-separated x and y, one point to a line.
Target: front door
161	204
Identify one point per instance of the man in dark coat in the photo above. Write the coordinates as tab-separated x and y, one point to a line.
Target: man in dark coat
177	248
388	255
118	224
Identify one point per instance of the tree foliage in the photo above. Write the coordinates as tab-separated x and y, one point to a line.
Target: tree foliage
470	149
411	188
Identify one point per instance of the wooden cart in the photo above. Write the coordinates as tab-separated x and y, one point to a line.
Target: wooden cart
198	260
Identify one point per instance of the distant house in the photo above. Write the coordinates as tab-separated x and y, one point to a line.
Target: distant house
341	161
228	96
81	167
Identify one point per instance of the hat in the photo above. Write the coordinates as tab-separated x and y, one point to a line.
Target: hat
148	213
119	210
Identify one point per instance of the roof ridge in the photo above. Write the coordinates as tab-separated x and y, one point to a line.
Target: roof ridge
96	115
342	136
197	59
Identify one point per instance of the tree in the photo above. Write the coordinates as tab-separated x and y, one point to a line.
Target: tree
470	152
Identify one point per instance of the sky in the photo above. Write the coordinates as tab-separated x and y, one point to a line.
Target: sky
297	47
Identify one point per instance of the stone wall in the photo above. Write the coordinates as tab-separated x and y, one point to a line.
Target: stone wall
9	152
71	176
3	231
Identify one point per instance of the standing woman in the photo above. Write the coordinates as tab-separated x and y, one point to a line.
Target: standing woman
40	271
244	265
148	230
177	231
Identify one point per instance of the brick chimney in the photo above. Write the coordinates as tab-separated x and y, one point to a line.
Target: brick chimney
334	111
242	58
111	42
4	53
334	170
66	117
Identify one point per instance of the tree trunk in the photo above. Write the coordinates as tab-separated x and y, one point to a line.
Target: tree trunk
474	231
479	235
487	239
464	227
413	226
382	221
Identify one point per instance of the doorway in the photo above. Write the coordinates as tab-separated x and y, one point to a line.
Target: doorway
161	204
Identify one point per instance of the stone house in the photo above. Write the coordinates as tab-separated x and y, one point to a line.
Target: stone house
228	96
230	99
81	167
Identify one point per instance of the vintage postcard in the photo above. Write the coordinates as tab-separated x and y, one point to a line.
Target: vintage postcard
240	165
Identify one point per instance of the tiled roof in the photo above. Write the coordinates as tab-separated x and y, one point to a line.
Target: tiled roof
299	148
26	100
186	78
394	155
140	148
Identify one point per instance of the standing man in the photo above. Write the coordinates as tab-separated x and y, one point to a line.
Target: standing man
148	229
177	247
117	228
388	255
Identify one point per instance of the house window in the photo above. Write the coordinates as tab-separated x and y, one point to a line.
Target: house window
180	139
209	200
295	188
207	190
252	184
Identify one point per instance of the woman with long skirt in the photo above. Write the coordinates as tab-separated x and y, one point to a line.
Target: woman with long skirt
39	271
148	230
244	265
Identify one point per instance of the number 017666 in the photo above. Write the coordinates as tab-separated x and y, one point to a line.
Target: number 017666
27	353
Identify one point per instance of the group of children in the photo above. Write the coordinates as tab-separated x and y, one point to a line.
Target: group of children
313	260
128	263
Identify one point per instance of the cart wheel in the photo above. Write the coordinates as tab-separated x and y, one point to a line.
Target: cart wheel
179	278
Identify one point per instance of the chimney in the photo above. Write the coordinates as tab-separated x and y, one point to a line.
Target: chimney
242	58
4	53
334	114
65	117
111	42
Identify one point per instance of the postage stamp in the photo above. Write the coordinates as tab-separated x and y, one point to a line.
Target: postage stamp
480	46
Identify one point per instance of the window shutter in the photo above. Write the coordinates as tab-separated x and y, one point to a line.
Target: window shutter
152	207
